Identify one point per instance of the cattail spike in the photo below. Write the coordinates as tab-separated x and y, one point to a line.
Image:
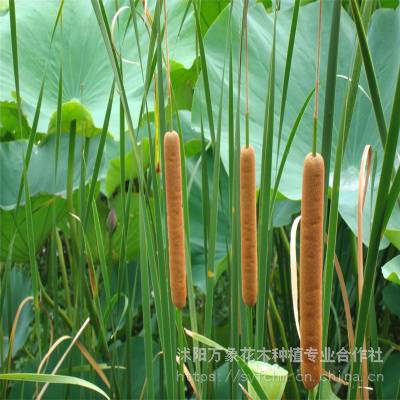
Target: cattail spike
248	219
311	259
176	234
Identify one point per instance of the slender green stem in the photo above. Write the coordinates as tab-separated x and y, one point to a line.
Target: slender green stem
71	155
317	63
14	46
99	155
245	27
312	394
58	121
315	135
213	220
63	272
33	264
288	65
233	271
247	130
145	290
75	243
189	274
249	319
52	304
282	332
181	376
329	107
204	70
265	234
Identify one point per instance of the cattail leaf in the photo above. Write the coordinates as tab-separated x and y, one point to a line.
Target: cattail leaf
55	379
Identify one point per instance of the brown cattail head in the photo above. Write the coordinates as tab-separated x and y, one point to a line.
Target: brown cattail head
248	225
176	234
311	258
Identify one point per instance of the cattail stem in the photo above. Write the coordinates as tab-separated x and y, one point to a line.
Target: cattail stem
315	134
247	131
176	234
249	318
248	217
317	65
311	259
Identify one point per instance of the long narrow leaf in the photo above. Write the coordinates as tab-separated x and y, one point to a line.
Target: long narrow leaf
58	379
376	231
370	72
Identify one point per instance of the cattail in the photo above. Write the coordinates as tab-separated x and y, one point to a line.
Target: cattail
176	235
311	258
248	219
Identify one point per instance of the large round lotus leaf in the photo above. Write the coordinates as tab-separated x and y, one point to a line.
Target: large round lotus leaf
391	270
41	172
78	45
45	211
3	7
386	57
113	175
73	110
10	129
